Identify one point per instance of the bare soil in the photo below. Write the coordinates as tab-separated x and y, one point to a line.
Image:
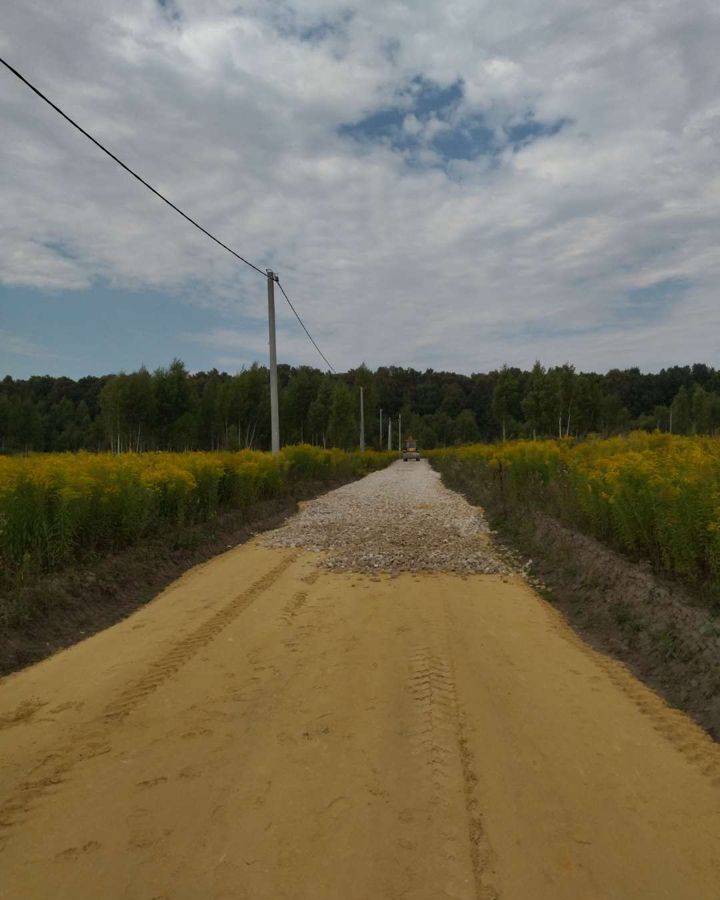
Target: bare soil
667	636
270	729
57	610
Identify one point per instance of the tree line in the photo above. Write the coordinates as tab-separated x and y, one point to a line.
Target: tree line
173	409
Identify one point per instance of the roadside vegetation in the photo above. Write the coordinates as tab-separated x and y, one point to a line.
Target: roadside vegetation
59	509
655	497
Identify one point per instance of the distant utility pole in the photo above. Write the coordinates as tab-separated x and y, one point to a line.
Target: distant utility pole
399	432
274	414
389	433
380	432
362	420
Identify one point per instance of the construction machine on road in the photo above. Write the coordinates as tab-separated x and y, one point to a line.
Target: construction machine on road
410	450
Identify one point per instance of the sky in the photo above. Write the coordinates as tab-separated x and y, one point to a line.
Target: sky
446	184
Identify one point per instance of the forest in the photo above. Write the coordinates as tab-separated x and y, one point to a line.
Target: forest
174	409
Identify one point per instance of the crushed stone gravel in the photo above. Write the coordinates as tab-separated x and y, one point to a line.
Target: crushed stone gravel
401	519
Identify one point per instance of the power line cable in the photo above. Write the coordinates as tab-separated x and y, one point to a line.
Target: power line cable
161	196
304	328
128	169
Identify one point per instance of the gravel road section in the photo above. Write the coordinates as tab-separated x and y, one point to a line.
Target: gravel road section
402	519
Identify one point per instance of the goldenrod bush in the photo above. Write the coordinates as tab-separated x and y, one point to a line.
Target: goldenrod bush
656	496
58	508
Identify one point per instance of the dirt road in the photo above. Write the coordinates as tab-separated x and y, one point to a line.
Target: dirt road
268	729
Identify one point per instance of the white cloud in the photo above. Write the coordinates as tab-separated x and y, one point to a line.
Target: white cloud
231	113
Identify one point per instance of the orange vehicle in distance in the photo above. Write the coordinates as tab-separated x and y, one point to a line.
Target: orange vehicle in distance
411	450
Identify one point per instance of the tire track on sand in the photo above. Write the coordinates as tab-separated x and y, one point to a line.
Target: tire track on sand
440	739
93	739
184	650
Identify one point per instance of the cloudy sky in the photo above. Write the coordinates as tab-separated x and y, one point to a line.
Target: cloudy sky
453	184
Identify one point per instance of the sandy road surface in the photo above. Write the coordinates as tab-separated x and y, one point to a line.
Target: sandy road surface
268	729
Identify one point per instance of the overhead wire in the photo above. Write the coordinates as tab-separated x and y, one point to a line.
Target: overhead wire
157	193
128	169
289	302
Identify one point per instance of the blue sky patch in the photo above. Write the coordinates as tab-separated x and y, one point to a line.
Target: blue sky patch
654	301
548	328
383	124
289	24
422	98
105	329
425	115
660	292
430	98
530	129
472	138
637	306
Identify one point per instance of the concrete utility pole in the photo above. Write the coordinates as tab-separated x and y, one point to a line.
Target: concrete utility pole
399	432
380	432
389	433
274	406
362	420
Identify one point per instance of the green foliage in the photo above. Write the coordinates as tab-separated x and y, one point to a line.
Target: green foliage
173	409
342	422
537	403
466	429
505	398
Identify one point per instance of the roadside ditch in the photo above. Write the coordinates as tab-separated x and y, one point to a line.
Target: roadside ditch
664	634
